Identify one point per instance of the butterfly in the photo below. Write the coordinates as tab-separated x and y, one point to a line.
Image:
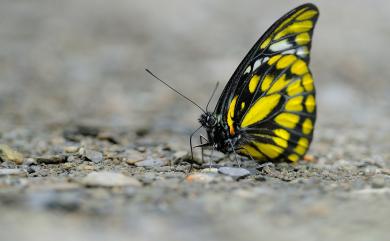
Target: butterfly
267	110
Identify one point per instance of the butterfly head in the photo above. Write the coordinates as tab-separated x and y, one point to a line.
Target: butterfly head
217	134
208	120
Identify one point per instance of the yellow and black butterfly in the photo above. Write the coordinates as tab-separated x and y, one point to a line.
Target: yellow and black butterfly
267	109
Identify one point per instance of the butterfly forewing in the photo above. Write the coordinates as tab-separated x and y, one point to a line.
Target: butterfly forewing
270	99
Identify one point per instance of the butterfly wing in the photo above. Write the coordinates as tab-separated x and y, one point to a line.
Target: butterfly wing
270	99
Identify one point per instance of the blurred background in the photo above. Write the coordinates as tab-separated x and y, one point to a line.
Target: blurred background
76	62
64	61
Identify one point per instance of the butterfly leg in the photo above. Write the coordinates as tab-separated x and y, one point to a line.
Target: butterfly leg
211	156
235	154
204	145
201	147
192	147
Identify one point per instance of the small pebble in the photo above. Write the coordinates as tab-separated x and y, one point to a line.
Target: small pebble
201	177
245	193
55	186
235	172
7	153
68	166
210	165
309	158
260	178
54	159
210	170
12	172
86	167
164	169
182	168
132	156
94	156
378	182
30	161
109	179
71	149
371	171
142	131
74	159
150	163
82	151
385	171
148	178
317	209
180	156
172	174
33	169
85	130
141	148
108	136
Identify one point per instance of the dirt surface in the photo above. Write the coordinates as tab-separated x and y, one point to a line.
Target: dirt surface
92	148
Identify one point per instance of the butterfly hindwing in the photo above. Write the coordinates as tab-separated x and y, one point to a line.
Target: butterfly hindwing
270	99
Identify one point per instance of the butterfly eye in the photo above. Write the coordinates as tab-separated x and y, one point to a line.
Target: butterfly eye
211	121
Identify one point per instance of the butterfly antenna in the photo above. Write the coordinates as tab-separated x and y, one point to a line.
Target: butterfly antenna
212	95
165	83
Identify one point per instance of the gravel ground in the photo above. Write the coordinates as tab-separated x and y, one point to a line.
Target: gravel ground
92	148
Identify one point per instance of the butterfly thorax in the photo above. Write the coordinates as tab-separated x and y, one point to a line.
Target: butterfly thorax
218	133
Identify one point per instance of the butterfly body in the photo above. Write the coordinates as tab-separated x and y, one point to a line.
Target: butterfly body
267	110
217	133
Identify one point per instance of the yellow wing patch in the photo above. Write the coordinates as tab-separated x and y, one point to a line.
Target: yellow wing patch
265	43
269	150
279	84
274	59
307	82
302	38
231	115
280	142
299	67
307	15
293	157
287	120
282	133
295	88
251	151
300	150
242	105
266	82
294	104
260	110
297	27
285	61
310	103
303	144
253	83
288	20
307	126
